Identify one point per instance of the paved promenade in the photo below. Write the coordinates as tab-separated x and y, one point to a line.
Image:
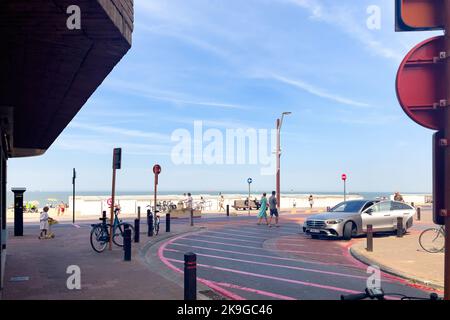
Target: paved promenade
404	256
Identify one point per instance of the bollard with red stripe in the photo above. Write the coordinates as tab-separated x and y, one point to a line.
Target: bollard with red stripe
190	276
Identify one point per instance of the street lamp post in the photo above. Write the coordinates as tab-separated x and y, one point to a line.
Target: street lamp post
279	123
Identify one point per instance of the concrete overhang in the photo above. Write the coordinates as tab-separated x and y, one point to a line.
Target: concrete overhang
48	71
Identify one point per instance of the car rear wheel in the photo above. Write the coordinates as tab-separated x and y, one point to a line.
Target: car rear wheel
347	231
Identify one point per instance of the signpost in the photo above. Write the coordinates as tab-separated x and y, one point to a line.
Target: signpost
249	181
344	178
156	171
117	162
74	176
423	90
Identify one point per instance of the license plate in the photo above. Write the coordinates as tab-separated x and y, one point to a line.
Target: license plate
314	230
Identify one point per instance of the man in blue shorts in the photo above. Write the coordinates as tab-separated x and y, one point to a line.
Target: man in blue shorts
273	209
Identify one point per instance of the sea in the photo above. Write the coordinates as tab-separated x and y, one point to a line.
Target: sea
49	197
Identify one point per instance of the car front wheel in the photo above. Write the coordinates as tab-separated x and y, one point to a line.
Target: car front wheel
347	231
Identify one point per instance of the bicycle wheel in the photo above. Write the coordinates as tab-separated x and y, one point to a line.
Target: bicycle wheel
119	233
157	225
99	238
432	240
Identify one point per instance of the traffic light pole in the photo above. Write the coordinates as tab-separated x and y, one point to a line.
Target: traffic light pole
447	154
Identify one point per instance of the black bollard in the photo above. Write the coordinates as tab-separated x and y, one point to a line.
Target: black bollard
190	276
369	247
167	222
418	214
137	225
400	227
228	210
150	223
103	218
192	217
127	243
139	212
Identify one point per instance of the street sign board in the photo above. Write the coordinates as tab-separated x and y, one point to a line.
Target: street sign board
117	158
419	15
156	169
249	180
438	178
420	86
344	177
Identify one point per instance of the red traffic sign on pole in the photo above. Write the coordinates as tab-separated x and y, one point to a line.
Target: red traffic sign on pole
156	169
344	177
420	86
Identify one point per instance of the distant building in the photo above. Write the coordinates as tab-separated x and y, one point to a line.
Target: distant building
49	69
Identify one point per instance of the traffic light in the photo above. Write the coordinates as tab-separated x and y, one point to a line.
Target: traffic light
419	15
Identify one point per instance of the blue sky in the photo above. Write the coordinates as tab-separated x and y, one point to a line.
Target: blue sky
239	64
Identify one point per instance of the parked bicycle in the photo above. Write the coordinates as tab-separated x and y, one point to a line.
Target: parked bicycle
100	232
378	294
432	240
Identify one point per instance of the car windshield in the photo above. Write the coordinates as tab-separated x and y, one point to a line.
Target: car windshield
349	206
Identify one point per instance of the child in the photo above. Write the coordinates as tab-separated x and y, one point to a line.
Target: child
43	222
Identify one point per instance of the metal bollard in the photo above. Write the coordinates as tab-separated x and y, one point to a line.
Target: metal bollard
190	276
418	214
139	212
150	223
192	217
369	238
127	244
167	222
400	227
137	226
103	218
228	210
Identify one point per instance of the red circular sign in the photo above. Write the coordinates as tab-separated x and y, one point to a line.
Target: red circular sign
156	169
109	202
344	177
420	84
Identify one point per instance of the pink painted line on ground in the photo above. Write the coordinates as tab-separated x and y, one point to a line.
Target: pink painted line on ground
233	239
308	284
255	237
284	266
260	292
263	232
249	247
262	255
225	293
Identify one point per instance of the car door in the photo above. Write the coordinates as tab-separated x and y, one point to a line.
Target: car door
400	209
379	216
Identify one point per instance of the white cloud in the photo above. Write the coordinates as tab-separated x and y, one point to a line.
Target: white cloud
319	92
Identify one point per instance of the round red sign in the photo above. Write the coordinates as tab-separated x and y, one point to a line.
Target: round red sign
420	85
156	169
344	177
109	202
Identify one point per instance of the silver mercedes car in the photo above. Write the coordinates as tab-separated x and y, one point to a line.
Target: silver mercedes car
350	218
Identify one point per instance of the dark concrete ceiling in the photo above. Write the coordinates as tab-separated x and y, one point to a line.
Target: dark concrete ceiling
48	71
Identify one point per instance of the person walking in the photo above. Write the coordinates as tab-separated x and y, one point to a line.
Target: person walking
273	209
311	200
221	202
262	210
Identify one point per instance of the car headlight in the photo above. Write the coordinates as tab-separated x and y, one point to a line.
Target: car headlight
334	221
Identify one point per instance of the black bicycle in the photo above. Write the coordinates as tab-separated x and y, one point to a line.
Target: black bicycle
100	232
378	294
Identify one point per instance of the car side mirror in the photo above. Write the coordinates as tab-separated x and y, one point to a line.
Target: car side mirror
369	211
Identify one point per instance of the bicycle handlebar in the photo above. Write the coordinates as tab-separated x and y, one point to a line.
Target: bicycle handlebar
356	296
